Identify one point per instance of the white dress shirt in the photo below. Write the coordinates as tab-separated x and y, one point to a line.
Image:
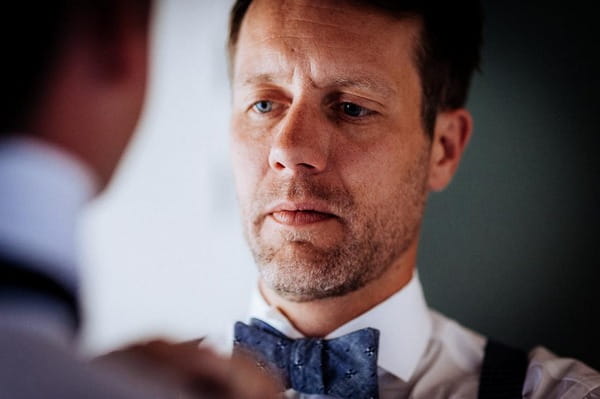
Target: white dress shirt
42	191
423	354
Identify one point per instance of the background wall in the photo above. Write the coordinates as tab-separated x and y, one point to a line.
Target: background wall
164	241
509	249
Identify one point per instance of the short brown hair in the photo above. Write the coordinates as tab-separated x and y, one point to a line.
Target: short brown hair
448	52
31	52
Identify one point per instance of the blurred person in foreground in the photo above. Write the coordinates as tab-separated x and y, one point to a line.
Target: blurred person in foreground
346	115
73	83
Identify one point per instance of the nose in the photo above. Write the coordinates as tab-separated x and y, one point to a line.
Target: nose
301	143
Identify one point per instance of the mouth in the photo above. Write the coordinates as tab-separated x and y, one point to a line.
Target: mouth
299	214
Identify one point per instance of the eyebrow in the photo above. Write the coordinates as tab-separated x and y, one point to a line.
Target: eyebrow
366	82
257	79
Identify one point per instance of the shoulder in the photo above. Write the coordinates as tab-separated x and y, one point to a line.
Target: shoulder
464	347
451	364
551	376
457	348
32	364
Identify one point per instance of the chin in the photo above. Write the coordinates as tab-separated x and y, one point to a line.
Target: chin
305	279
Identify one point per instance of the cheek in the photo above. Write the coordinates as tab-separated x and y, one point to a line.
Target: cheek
367	168
374	174
249	160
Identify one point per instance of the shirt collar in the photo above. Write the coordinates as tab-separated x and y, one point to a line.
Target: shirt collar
44	188
403	321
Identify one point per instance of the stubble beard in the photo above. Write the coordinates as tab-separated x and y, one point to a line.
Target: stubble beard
374	239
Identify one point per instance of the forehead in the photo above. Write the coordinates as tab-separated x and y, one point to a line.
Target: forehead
324	36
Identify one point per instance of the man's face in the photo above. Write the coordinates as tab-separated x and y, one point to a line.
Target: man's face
329	152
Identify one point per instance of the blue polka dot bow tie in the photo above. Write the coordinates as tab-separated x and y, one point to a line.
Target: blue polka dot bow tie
344	367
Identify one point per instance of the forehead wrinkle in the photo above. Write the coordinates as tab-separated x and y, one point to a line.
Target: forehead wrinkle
321	7
317	6
285	48
276	37
338	83
276	79
294	16
322	24
310	72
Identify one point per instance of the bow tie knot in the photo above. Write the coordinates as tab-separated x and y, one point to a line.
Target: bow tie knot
344	367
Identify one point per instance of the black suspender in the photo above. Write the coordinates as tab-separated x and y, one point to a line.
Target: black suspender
503	372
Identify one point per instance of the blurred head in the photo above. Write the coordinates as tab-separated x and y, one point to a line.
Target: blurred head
75	74
345	115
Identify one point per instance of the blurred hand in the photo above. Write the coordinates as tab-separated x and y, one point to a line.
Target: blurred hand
185	370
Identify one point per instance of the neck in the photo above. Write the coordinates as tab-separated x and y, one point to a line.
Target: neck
320	317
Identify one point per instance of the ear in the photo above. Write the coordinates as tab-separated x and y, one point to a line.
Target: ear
451	134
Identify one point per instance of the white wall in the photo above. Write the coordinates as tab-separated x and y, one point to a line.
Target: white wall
163	249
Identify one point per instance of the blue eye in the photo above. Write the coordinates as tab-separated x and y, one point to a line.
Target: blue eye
263	106
353	110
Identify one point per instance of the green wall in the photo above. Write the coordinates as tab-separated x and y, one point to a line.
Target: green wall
510	248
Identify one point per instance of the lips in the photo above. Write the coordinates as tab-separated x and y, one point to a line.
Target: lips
298	218
298	214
